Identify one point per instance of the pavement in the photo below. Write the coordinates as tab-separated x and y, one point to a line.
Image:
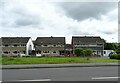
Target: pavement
30	66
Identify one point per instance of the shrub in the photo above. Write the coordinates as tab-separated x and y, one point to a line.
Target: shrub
88	52
112	56
79	52
118	56
115	56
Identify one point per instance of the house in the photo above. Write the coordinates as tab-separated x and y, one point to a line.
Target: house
88	42
53	46
14	46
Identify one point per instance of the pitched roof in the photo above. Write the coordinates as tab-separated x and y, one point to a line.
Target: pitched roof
50	40
9	40
86	39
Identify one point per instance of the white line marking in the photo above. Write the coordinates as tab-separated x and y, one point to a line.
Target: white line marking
98	78
28	80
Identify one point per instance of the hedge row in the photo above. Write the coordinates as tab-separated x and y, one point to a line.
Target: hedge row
115	56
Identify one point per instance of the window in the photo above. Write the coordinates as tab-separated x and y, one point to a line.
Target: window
38	52
6	52
45	45
99	44
6	45
59	45
23	45
54	52
23	52
15	45
54	45
15	52
104	52
45	51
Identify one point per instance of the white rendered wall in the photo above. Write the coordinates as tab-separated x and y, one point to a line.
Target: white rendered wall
107	52
29	46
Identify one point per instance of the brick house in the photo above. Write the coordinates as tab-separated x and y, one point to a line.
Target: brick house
50	46
14	46
93	42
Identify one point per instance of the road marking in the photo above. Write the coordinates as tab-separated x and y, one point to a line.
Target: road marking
99	78
27	80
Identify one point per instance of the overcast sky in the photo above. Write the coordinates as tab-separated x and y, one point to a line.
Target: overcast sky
37	18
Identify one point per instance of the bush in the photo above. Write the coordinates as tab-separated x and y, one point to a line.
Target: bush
115	56
88	52
79	52
118	57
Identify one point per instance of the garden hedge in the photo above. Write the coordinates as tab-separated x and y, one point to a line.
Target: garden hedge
115	56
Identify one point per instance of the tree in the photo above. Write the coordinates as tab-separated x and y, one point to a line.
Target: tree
79	52
109	46
118	49
88	52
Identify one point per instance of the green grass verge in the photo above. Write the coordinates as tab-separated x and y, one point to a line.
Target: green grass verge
53	60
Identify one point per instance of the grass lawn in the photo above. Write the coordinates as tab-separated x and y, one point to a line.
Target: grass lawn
53	60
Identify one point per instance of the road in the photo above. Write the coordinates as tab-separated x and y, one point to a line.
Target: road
109	73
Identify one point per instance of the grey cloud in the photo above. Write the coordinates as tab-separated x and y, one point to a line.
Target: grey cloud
108	32
119	12
1	4
84	10
25	18
20	11
81	33
18	17
27	21
77	31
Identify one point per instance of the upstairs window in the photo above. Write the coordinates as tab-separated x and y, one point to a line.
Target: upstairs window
45	45
23	45
99	44
15	52
6	52
45	51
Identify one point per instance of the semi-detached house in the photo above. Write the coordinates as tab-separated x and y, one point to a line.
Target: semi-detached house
88	42
14	46
53	46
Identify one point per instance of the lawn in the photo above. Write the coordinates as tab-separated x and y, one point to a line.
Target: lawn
53	60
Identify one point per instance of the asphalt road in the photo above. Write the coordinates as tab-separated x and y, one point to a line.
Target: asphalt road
62	74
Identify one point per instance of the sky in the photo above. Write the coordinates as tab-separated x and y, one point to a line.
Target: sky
43	18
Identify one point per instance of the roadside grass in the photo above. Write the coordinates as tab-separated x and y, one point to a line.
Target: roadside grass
0	60
53	60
